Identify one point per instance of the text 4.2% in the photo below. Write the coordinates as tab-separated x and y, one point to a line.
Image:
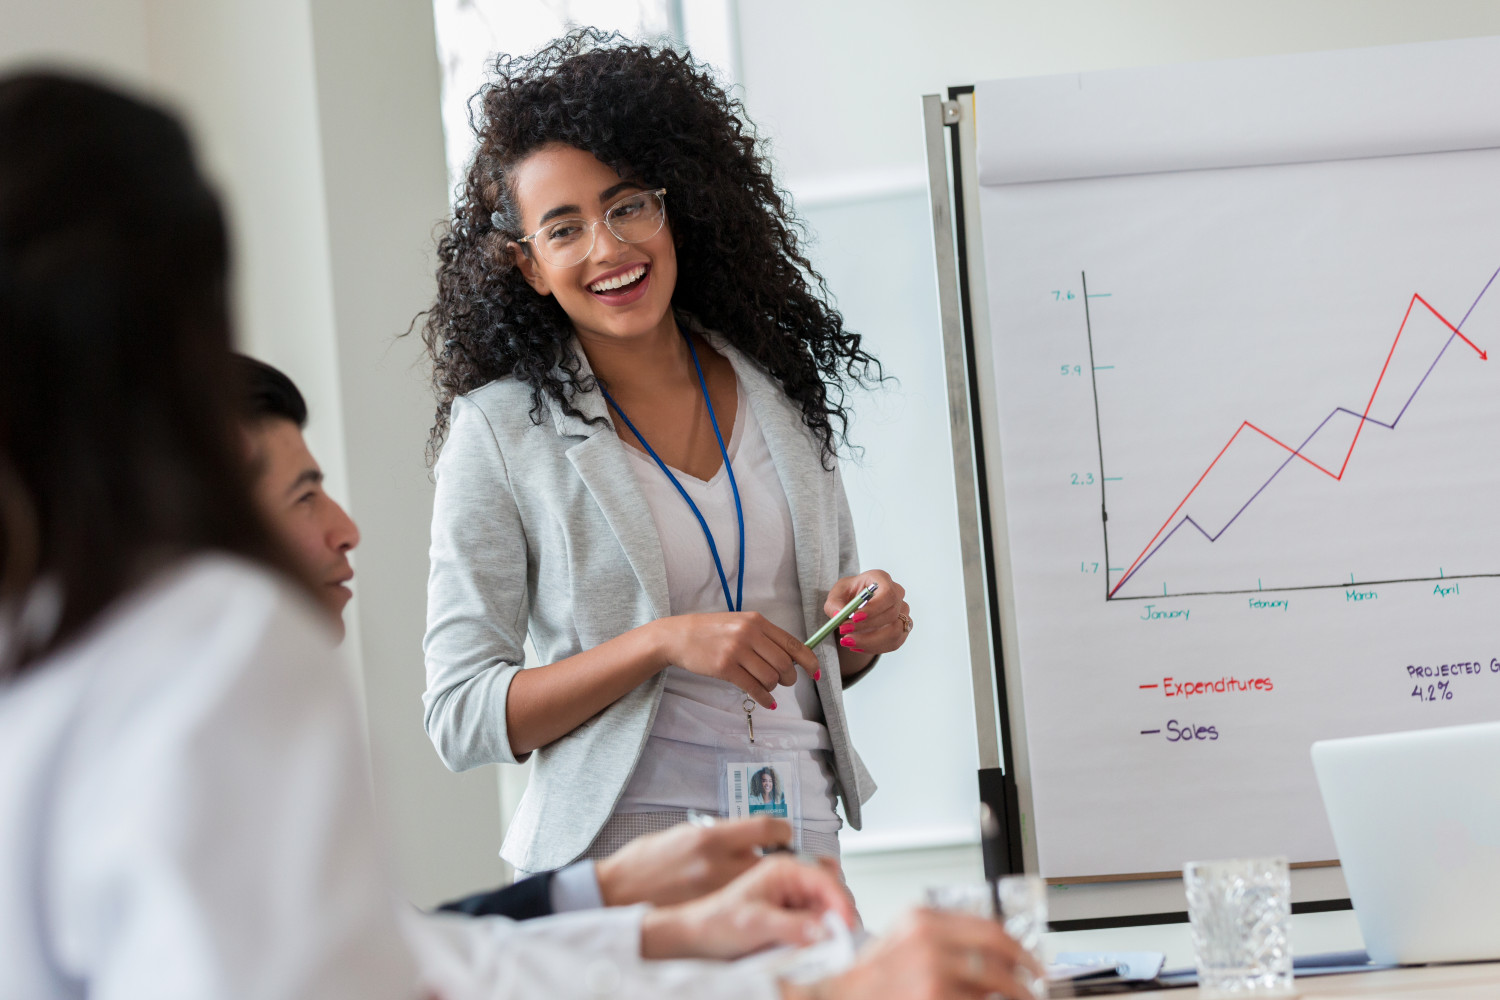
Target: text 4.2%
1433	692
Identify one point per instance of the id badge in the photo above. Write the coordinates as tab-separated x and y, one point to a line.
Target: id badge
760	781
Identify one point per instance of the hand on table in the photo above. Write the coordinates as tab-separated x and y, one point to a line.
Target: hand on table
686	862
781	901
931	955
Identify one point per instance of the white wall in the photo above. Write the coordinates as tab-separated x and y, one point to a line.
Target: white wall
837	83
385	189
836	87
242	76
100	36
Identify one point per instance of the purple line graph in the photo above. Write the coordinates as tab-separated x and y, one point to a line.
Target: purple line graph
1160	539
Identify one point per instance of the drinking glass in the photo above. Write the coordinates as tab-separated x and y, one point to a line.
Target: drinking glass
1240	911
1023	903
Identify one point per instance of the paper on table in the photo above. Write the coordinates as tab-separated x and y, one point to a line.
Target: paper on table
1135	965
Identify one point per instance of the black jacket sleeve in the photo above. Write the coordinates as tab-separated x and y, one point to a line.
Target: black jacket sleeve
523	900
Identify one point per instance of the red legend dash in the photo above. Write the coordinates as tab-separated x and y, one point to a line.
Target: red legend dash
1145	686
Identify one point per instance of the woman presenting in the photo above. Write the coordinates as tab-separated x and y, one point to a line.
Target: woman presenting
639	378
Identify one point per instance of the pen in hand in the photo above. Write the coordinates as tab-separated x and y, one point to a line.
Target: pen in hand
860	600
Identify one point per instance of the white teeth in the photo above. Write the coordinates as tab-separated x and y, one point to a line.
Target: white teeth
619	280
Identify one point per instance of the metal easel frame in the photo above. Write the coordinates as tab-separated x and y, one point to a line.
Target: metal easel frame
997	786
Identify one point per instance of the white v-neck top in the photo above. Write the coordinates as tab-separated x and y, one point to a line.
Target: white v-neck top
699	715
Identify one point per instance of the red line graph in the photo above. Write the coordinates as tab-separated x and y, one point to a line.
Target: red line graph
1296	453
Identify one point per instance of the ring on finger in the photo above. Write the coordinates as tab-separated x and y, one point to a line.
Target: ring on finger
906	623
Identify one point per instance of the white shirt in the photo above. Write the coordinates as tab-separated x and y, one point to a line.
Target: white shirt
184	810
185	813
700	715
593	955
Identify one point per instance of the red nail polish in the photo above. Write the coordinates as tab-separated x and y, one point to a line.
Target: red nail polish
773	706
858	616
845	628
818	676
857	649
847	641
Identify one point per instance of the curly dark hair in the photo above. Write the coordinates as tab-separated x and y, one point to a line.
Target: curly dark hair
656	115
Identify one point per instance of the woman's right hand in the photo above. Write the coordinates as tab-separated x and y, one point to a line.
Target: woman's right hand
932	955
744	648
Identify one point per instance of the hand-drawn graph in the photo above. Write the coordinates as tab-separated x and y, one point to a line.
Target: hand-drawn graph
1182	515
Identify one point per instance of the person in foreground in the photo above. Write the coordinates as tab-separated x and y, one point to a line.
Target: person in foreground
673	866
184	807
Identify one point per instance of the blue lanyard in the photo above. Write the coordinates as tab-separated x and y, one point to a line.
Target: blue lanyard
738	601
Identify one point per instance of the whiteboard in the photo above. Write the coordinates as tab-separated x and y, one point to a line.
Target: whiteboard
1246	309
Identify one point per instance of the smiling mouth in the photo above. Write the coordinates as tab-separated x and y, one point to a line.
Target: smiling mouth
621	283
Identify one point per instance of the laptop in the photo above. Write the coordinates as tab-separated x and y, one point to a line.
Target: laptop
1416	819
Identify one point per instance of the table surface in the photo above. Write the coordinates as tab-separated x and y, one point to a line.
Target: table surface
1431	982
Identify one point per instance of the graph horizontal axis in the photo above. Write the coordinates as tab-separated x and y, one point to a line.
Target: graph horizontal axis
1345	585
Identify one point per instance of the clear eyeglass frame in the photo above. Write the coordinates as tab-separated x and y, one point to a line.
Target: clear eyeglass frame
627	228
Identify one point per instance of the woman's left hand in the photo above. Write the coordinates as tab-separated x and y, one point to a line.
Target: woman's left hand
880	626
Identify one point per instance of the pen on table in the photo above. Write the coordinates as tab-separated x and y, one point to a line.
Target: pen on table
860	600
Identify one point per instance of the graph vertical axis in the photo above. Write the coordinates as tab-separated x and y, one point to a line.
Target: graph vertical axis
1088	325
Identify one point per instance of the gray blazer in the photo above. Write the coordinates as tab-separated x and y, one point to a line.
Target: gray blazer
543	529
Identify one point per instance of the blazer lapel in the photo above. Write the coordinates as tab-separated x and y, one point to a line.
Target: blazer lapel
601	462
791	450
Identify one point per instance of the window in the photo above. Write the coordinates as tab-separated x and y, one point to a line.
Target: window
471	32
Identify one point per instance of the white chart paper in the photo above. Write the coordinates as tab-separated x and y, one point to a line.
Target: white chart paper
1281	383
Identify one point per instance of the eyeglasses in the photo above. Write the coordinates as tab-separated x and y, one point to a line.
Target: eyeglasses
634	218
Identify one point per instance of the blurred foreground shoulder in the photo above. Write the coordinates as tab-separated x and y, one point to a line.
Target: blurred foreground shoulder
195	772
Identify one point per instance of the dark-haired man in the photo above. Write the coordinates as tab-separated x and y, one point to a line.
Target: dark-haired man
289	485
